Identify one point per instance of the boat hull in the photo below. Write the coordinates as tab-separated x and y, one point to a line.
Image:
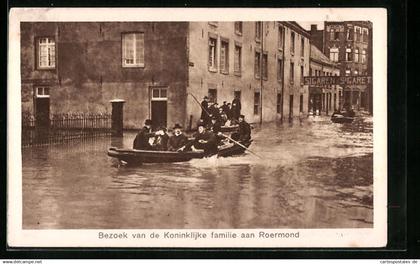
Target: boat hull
133	156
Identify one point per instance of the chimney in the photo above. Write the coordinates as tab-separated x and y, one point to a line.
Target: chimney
314	27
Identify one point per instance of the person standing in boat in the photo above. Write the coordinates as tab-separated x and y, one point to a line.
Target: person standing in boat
142	138
178	140
203	139
205	110
244	130
236	108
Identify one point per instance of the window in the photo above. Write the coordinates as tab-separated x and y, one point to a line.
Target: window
301	103
334	54
212	54
133	50
46	53
358	33
159	94
257	64
279	70
238	59
348	54
356	55
310	71
265	66
256	103
279	103
363	56
302	47
42	92
336	35
258	26
348	72
280	41
292	72
238	28
356	72
224	57
292	42
350	34
365	35
301	74
212	95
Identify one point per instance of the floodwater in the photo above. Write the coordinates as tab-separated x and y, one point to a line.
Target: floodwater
314	174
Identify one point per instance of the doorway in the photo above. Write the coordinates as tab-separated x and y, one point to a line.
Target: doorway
159	107
42	107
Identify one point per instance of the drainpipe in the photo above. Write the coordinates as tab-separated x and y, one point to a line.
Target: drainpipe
282	77
262	72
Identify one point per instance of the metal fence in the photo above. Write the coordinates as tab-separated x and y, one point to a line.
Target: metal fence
65	127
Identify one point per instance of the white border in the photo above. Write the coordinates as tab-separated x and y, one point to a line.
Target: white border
363	237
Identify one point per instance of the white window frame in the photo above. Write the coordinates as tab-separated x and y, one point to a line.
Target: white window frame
238	70
224	67
363	56
356	55
212	63
49	47
137	61
160	97
40	92
348	54
335	52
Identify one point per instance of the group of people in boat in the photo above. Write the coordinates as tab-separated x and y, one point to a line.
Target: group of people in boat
227	113
207	137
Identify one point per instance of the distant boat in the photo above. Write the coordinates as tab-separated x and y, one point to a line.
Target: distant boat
341	118
134	156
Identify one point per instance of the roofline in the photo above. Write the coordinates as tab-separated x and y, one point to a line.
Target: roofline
296	27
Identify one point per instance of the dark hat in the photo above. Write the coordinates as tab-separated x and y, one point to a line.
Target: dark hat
148	122
201	124
177	126
241	116
206	97
224	102
214	118
162	128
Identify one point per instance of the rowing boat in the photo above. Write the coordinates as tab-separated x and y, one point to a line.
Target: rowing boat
134	156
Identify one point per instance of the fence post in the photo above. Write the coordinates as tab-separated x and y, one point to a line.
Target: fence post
117	117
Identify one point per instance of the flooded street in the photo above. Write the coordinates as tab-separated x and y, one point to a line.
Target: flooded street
314	175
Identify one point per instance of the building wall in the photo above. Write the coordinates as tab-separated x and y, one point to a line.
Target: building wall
201	78
89	70
361	93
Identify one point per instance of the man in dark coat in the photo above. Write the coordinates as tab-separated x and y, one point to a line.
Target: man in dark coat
178	140
225	107
205	110
203	139
236	108
142	138
244	130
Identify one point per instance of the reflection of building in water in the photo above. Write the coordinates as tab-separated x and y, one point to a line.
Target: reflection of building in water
349	43
323	98
81	66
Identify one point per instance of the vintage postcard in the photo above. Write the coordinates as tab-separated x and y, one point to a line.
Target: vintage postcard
189	127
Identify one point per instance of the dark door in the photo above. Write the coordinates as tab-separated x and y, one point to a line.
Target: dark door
42	112
291	107
159	113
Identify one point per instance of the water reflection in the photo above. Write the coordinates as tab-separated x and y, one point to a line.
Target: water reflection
314	175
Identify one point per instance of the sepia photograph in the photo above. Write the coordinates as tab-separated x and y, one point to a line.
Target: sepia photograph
241	130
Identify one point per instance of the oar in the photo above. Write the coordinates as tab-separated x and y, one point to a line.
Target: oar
241	145
198	102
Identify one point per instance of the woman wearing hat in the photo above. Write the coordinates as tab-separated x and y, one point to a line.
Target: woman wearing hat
178	140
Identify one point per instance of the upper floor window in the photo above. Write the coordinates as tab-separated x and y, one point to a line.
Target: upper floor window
301	74
292	72
257	64
356	55
279	70
133	50
258	29
292	42
212	53
265	66
363	56
348	72
237	59
238	28
302	47
334	54
350	34
224	56
365	33
46	53
334	34
348	54
280	41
